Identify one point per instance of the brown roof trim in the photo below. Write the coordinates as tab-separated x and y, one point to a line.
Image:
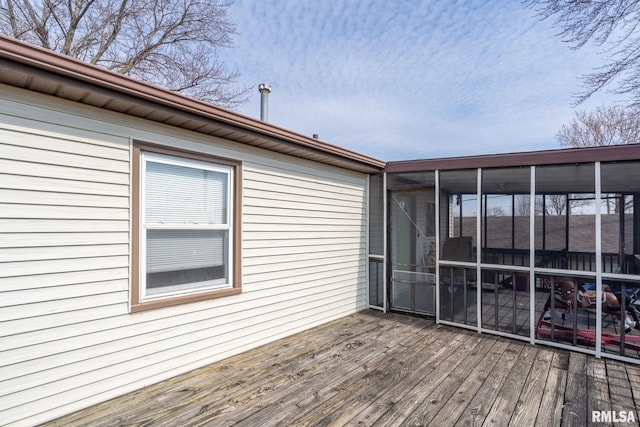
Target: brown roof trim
532	158
37	69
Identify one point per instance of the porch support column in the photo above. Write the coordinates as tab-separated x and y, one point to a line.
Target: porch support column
532	255
385	238
598	235
479	249
438	245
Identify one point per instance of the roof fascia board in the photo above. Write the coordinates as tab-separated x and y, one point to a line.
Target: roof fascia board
534	158
21	57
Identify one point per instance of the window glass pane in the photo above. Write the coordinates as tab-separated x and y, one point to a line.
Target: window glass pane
184	195
620	211
376	215
621	307
505	216
565	308
505	301
412	230
185	257
413	250
185	228
411	180
458	298
565	217
376	281
458	213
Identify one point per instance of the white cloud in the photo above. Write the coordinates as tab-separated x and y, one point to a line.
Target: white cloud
409	79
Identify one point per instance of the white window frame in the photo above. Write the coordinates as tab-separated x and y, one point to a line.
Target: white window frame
147	157
141	298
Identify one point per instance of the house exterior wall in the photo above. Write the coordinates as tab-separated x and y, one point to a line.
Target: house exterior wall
68	339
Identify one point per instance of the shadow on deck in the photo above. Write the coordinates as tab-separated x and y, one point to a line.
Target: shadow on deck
374	369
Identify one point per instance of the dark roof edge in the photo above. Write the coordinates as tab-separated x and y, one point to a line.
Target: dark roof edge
532	158
71	69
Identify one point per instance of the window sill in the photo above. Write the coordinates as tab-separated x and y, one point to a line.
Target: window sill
178	300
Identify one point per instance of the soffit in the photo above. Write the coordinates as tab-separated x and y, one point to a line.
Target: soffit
29	67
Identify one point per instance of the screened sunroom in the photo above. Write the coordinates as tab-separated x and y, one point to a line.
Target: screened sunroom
540	246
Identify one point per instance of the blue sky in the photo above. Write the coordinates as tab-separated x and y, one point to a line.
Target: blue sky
410	79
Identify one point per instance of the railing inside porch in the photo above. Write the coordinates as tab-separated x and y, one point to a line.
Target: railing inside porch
562	259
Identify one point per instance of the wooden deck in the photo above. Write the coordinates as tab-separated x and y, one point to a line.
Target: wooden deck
384	370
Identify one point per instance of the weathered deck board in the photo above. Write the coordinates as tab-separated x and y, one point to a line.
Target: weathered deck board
575	395
550	411
319	354
597	386
340	398
458	403
620	387
374	409
224	376
411	405
478	408
374	369
323	378
528	405
436	392
509	396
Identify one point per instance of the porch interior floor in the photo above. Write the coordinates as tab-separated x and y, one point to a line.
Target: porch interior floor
371	369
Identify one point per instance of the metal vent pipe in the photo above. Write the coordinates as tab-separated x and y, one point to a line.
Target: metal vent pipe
264	89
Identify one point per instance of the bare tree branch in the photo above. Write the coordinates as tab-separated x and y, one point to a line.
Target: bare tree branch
612	125
11	18
522	205
610	24
171	43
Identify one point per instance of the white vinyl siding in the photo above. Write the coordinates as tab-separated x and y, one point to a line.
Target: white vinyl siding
303	230
68	339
